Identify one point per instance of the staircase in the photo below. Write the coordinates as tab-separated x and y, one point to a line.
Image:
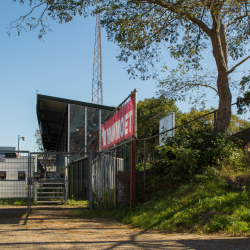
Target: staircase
49	192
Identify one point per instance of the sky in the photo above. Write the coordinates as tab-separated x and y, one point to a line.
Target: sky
62	66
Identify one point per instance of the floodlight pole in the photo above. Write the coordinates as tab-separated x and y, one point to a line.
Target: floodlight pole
97	94
23	138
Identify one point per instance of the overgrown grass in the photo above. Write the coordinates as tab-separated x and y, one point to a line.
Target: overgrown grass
209	204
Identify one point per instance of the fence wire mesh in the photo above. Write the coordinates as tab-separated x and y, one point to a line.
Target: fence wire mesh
111	177
14	179
60	179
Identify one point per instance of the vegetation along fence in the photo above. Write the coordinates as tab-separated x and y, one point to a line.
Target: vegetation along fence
197	125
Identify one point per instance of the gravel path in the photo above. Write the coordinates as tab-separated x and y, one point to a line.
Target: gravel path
57	229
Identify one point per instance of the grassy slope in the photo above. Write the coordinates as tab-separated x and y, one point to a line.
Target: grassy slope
208	207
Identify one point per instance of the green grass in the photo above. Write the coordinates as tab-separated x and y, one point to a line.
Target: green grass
24	202
14	202
73	202
204	207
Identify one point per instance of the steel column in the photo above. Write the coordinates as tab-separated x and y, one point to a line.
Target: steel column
144	161
91	201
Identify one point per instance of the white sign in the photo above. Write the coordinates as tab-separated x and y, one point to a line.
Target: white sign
165	124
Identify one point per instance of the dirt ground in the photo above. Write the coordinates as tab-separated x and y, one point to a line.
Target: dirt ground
59	229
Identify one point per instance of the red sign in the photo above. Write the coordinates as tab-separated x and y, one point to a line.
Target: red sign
120	126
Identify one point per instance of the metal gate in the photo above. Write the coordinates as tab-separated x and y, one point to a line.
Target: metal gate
111	177
41	179
104	180
59	180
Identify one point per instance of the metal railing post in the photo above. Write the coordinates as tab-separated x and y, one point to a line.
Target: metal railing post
115	178
215	118
144	166
91	201
29	181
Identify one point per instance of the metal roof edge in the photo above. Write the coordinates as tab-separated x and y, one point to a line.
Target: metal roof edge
68	101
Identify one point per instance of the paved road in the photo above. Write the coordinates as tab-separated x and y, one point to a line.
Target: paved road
52	229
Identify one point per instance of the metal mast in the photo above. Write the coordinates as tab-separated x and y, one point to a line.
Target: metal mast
97	96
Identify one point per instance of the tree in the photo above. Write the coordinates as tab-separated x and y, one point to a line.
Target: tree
148	109
244	102
149	113
236	123
187	27
39	141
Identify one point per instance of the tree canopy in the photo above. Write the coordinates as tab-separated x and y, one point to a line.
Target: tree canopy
148	113
39	141
186	27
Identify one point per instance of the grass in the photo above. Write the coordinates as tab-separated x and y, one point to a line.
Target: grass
24	202
14	202
207	207
79	203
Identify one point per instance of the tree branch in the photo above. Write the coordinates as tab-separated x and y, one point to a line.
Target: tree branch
179	11
236	19
238	64
196	84
23	17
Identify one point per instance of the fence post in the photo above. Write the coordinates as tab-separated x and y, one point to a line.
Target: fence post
29	181
115	178
215	114
144	165
91	158
133	160
133	176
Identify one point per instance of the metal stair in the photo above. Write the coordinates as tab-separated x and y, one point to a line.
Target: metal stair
49	191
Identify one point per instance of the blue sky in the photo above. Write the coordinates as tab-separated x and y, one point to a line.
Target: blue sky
61	66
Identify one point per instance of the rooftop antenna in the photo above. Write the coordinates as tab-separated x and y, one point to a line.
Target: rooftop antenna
97	94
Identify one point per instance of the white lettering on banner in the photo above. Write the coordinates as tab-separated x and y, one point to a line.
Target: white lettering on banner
121	127
126	123
113	132
104	137
130	115
108	134
117	125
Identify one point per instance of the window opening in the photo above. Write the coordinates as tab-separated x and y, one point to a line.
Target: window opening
2	175
21	175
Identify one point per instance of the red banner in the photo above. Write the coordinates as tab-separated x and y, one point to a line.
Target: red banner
120	126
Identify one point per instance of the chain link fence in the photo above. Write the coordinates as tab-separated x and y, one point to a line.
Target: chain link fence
117	160
16	167
146	148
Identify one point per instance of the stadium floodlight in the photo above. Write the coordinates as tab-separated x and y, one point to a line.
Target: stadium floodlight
22	138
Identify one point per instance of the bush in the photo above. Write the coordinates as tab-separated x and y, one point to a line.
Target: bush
191	152
140	166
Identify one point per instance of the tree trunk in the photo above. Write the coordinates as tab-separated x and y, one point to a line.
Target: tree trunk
224	110
220	53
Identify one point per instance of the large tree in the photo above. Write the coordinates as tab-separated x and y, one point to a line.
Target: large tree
187	27
149	112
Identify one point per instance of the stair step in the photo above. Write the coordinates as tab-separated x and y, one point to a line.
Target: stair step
50	197
50	201
50	192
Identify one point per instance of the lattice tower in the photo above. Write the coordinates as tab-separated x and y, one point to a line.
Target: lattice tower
97	94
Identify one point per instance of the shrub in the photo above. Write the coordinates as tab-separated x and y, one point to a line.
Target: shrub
191	152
